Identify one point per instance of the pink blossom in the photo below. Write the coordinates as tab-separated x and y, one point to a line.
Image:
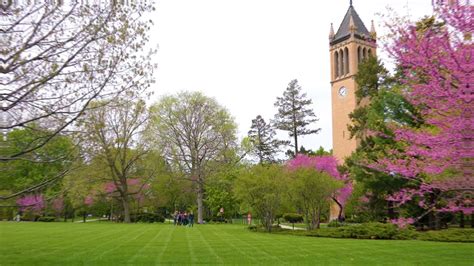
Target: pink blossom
364	199
403	222
437	157
326	164
89	200
31	202
58	204
110	187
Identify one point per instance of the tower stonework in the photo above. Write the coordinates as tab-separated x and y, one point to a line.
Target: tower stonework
349	46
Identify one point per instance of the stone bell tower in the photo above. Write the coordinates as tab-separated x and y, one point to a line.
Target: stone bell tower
349	46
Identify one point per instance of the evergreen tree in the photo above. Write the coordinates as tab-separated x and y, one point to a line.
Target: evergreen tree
262	136
309	152
385	106
294	114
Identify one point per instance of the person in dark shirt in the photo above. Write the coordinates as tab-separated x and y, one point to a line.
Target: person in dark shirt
191	219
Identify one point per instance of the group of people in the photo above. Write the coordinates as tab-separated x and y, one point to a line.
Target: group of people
183	218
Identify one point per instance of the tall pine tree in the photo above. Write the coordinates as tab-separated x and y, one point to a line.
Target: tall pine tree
294	114
262	136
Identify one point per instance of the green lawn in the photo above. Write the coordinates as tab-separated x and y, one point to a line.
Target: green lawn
145	244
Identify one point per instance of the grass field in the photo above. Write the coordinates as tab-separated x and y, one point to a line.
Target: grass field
145	244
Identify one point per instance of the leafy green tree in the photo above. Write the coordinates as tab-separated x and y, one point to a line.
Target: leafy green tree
370	77
262	136
293	218
172	193
220	187
311	190
263	189
219	195
82	184
35	171
115	136
193	132
294	113
384	105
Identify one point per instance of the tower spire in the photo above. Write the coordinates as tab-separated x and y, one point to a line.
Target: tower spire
331	32
373	33
350	3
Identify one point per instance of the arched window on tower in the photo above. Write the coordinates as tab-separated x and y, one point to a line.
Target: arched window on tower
364	54
370	52
336	64
341	62
359	55
346	57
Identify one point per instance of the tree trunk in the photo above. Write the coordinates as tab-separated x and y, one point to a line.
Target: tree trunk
340	215
296	143
126	210
269	221
431	222
461	220
200	196
390	210
472	220
111	210
437	222
318	222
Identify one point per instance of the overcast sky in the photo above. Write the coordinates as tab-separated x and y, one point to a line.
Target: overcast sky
245	52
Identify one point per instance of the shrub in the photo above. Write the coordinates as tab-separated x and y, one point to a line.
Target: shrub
252	228
28	216
260	228
388	231
293	217
46	219
146	217
406	234
335	223
448	235
360	231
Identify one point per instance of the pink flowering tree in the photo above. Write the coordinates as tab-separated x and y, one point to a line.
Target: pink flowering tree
327	164
57	205
436	159
33	204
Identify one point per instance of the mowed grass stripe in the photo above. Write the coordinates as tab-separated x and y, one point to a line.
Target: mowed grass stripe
90	247
149	244
125	240
263	243
48	238
190	242
242	238
230	242
85	239
208	246
167	240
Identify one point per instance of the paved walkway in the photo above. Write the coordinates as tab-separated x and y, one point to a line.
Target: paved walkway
91	220
291	227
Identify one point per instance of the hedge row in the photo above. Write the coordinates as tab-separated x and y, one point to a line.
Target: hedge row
387	231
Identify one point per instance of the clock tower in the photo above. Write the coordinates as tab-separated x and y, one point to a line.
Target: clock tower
349	46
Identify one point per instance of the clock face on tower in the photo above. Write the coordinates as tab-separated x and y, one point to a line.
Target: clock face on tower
343	91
